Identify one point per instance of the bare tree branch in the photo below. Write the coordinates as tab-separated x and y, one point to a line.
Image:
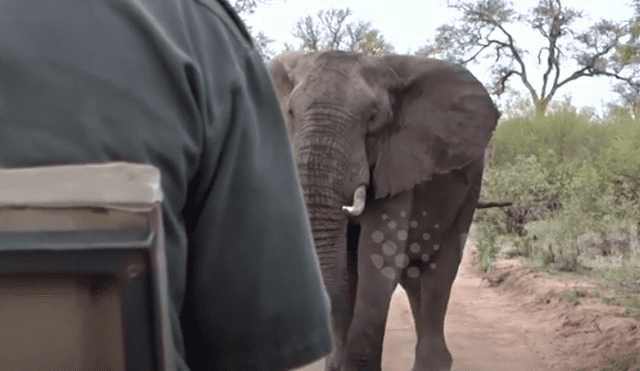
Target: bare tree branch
333	22
260	39
246	7
356	32
482	31
332	31
486	205
306	30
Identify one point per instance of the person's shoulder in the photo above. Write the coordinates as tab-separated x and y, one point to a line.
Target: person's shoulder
225	13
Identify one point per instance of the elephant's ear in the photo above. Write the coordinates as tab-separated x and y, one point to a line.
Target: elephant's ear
443	120
282	75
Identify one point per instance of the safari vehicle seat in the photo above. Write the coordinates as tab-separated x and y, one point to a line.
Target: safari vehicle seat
83	279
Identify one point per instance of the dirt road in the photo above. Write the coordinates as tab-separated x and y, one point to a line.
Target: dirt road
482	329
522	325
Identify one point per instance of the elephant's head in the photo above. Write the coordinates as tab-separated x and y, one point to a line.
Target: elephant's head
385	123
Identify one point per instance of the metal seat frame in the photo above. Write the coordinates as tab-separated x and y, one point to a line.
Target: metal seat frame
99	226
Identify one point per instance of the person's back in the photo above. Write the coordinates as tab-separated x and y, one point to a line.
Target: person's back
177	84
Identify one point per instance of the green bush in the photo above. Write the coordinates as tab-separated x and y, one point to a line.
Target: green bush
524	183
485	235
569	176
573	296
552	243
563	137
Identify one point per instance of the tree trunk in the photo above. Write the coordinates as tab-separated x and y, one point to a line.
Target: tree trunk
541	106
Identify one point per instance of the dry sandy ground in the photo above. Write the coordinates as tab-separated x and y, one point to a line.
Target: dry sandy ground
517	320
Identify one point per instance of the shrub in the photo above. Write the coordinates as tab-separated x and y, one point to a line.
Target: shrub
573	296
485	235
569	176
553	242
523	183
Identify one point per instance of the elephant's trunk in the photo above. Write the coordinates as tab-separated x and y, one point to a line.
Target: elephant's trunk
329	175
328	225
329	228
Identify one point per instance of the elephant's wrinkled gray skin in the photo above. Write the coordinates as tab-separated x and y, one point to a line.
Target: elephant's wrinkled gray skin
413	131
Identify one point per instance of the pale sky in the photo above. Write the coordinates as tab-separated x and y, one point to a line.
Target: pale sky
408	24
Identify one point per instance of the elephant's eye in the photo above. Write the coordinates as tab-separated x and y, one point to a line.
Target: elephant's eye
373	114
373	123
377	120
290	113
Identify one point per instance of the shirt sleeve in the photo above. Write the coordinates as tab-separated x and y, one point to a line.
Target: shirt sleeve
255	299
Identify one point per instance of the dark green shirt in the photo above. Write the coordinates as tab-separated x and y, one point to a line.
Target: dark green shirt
177	84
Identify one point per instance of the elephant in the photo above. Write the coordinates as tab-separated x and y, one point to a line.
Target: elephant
390	153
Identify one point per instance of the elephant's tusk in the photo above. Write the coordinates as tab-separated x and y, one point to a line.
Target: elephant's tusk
359	199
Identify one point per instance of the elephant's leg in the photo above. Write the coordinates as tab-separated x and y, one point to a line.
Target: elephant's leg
448	204
413	288
381	259
429	296
433	348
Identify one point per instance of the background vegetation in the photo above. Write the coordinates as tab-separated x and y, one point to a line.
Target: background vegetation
574	180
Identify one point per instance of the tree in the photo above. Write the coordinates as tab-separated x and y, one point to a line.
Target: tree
260	40
309	32
629	94
247	7
330	31
333	21
372	43
485	29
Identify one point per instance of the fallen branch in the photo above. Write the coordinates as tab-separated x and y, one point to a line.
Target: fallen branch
486	205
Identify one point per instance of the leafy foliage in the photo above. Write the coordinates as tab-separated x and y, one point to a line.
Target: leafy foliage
487	245
574	181
573	296
485	28
526	185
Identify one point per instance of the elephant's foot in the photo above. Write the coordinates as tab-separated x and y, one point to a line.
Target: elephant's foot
331	365
364	353
334	360
352	361
361	363
432	355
